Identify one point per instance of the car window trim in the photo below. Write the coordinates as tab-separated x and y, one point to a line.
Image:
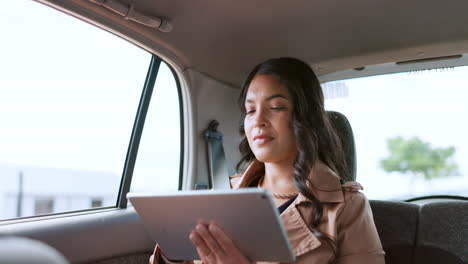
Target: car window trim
137	131
181	125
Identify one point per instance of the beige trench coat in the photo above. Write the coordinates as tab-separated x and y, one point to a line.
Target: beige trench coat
347	220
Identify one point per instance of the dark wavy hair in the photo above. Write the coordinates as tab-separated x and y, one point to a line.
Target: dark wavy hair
316	138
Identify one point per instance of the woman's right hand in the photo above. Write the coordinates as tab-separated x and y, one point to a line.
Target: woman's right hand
214	246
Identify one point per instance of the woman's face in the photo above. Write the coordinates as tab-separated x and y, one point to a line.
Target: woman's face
267	123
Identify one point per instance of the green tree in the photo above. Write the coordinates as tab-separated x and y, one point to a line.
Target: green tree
418	158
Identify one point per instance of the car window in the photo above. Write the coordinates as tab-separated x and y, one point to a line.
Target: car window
409	131
157	165
69	94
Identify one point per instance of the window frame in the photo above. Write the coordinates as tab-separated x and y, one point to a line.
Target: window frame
138	127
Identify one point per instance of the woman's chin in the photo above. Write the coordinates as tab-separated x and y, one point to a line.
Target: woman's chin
267	158
273	157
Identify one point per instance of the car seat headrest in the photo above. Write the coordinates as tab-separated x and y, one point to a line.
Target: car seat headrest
345	133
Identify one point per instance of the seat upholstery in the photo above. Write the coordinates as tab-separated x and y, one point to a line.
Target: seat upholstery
443	233
396	224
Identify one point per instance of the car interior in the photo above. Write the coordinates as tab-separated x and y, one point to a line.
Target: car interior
208	48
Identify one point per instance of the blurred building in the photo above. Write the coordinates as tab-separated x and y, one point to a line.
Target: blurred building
27	191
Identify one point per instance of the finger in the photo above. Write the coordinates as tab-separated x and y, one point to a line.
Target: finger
223	239
202	249
210	241
200	244
206	259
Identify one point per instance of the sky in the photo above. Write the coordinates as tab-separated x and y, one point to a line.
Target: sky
87	124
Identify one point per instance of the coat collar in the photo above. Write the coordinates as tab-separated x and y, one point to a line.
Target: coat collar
325	183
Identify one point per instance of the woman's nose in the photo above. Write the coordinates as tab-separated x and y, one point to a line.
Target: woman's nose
260	119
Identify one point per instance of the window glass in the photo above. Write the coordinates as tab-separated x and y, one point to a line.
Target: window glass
69	93
157	165
409	130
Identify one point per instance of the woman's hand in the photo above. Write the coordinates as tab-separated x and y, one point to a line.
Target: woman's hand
214	246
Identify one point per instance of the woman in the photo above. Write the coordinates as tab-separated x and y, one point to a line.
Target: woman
291	149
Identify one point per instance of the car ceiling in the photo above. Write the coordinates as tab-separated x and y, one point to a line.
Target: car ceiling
225	39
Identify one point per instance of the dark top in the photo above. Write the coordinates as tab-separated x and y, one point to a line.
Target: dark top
285	205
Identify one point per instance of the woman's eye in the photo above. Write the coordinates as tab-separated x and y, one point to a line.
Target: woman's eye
278	108
250	111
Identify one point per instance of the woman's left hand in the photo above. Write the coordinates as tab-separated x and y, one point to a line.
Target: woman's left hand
215	247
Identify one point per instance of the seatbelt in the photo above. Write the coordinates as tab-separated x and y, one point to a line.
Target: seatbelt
217	164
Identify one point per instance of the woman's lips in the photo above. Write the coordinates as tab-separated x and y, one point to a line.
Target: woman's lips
262	139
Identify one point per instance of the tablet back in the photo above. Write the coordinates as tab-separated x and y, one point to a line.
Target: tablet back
248	216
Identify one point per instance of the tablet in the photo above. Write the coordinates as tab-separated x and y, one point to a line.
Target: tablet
249	216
